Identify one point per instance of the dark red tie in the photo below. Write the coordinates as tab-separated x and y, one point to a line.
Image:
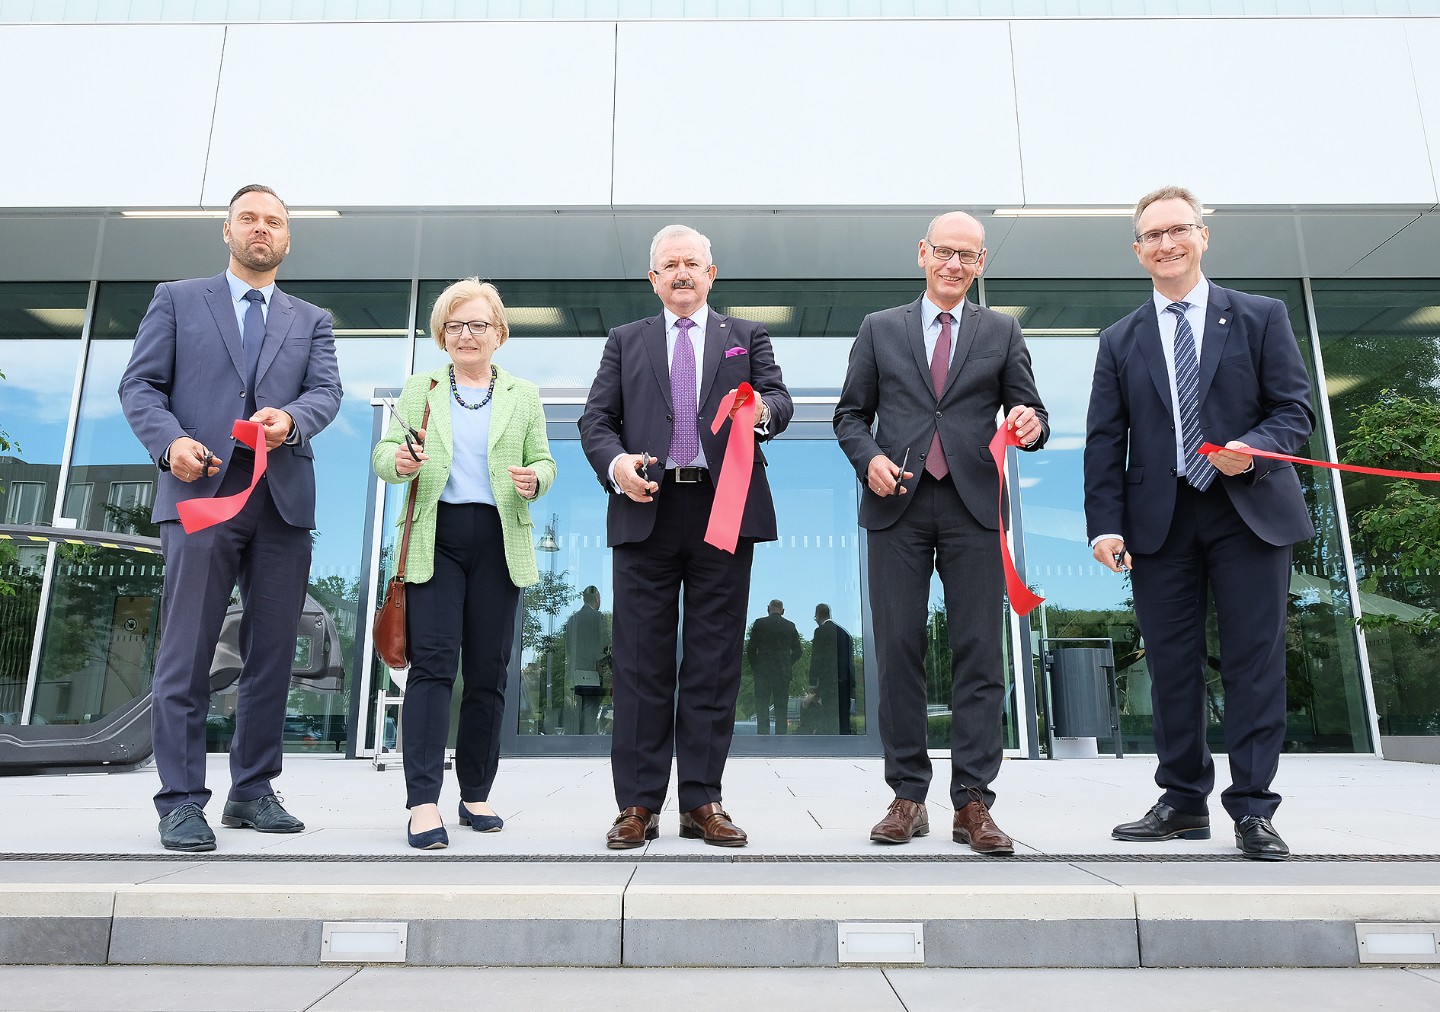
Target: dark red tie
939	370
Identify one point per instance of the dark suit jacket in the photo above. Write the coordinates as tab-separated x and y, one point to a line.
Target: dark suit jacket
774	647
1253	387
186	377
832	662
628	411
889	378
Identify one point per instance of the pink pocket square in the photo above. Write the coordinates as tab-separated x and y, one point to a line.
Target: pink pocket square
732	352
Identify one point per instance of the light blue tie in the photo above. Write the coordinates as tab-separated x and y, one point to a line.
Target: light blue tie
254	337
1199	472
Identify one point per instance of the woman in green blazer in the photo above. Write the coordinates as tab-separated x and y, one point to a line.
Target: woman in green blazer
484	460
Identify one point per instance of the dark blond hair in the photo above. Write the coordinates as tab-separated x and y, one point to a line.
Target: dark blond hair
1167	193
463	291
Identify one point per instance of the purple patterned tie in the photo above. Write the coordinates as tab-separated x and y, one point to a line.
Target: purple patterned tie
939	370
684	429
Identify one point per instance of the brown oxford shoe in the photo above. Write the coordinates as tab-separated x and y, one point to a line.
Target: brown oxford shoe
632	828
712	824
973	825
904	820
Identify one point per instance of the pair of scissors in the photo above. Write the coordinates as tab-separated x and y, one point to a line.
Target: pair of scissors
412	437
900	479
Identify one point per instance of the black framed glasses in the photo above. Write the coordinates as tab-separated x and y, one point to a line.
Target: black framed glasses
1177	232
967	256
476	327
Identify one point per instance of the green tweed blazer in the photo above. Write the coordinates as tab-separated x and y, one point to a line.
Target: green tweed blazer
517	436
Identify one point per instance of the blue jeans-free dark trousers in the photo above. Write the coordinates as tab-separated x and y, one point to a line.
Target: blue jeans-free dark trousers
460	620
1211	552
936	533
660	710
271	561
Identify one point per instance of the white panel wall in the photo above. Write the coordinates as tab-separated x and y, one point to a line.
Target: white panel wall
1259	111
485	114
1424	38
815	113
99	116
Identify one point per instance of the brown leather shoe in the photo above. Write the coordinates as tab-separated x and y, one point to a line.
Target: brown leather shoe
973	825
904	820
632	828
712	824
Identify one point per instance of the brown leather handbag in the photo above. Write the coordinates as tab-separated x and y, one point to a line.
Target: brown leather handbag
389	626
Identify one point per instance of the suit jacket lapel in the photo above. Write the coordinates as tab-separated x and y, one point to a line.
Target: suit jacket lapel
223	310
438	398
502	406
964	337
1147	339
652	335
1217	329
277	325
717	333
915	337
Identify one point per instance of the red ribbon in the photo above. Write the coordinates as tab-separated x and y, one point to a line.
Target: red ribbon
734	487
1022	600
198	514
1358	469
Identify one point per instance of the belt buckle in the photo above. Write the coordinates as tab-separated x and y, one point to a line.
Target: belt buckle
687	475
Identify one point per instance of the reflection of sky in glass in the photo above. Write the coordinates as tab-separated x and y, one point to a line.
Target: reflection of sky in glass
103	436
39	376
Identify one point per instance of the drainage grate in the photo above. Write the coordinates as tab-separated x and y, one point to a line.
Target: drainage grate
632	858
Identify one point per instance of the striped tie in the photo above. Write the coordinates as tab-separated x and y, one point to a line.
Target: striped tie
1199	472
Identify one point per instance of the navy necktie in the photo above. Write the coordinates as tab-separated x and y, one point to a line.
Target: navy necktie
685	430
1199	472
253	337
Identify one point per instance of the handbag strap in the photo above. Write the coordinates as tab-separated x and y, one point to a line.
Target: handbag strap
410	498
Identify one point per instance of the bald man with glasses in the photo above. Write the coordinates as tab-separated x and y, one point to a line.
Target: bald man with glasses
926	385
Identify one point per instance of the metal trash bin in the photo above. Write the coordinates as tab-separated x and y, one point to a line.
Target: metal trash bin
1079	684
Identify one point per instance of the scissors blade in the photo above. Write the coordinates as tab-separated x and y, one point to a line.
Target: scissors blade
403	424
903	461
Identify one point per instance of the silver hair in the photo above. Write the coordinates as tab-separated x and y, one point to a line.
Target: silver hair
679	232
1168	193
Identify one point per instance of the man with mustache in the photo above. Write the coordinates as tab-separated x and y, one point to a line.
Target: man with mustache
646	432
210	351
935	374
1200	363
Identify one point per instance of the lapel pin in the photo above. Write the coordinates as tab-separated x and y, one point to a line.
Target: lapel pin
1222	321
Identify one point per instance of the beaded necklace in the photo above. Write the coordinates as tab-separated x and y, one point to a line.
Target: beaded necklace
455	391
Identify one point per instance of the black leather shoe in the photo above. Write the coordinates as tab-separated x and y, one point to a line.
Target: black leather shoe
265	815
1164	823
1258	840
185	828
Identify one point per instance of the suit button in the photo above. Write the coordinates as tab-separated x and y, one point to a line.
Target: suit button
242	395
1174	473
939	414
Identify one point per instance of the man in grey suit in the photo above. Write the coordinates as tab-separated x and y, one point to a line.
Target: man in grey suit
936	374
210	351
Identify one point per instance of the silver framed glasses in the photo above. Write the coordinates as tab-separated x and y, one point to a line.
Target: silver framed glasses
1179	233
967	256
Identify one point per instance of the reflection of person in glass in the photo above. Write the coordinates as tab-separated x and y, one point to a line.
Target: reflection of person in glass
483	461
209	351
587	640
1199	362
935	374
773	649
658	390
832	674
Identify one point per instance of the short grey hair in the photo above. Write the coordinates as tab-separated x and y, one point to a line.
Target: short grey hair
679	232
1167	193
930	229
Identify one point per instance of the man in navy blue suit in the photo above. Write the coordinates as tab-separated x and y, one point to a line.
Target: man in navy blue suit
1200	363
210	351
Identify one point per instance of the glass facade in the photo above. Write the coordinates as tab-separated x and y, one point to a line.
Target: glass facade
99	617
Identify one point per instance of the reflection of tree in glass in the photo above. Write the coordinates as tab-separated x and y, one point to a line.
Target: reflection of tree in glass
541	631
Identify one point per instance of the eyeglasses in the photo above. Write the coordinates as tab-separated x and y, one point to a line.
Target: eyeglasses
967	256
1177	232
476	327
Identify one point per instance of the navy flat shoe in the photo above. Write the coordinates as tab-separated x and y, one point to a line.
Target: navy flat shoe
480	823
430	839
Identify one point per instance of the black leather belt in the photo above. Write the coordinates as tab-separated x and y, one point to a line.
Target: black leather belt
687	475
